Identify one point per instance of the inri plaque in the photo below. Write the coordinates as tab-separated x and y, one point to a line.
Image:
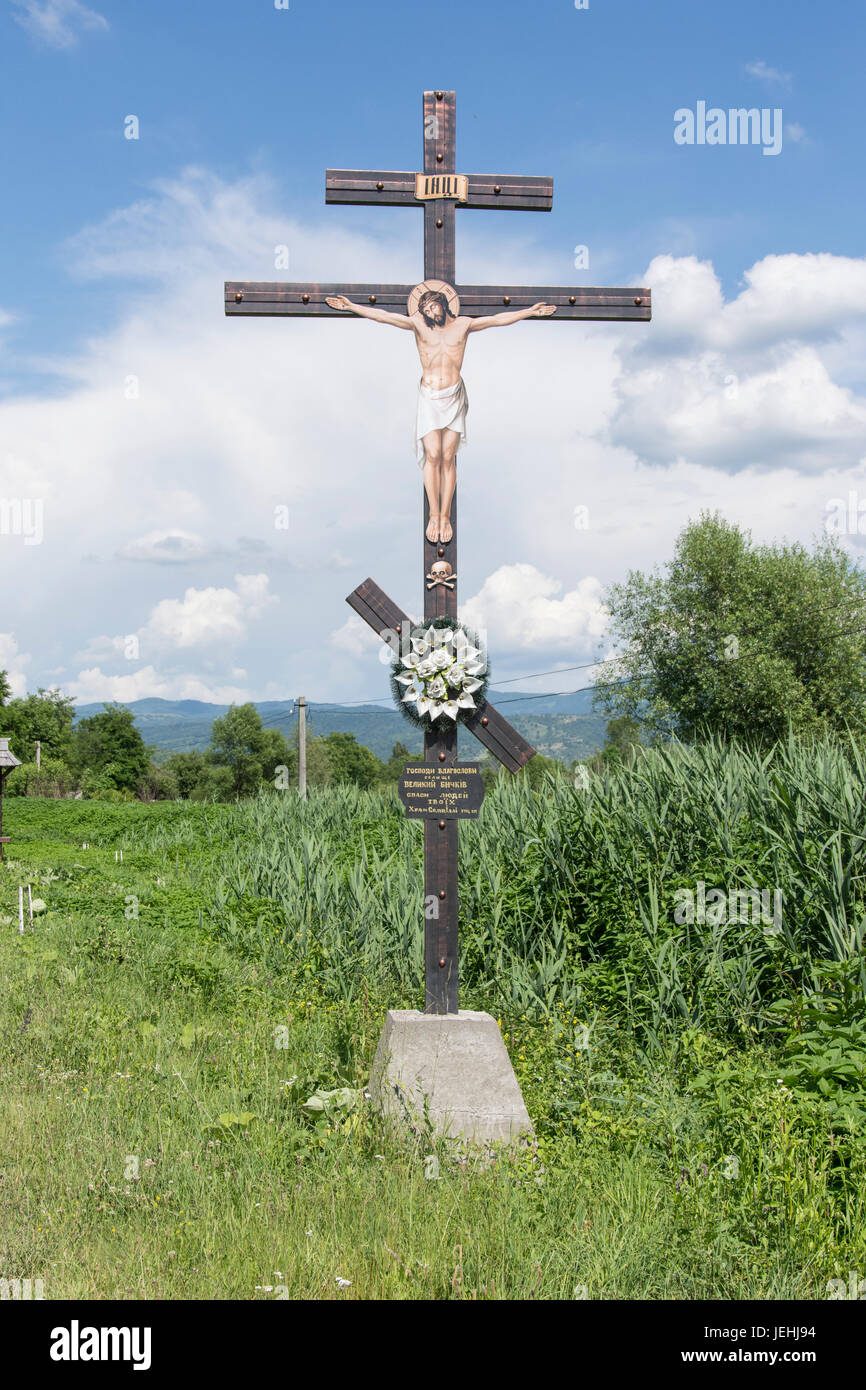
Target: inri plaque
454	790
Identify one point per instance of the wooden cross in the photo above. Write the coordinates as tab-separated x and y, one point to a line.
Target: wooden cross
439	190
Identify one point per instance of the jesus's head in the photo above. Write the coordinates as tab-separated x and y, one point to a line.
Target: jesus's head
434	308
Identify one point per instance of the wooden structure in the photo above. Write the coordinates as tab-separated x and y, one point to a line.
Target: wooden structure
439	190
8	760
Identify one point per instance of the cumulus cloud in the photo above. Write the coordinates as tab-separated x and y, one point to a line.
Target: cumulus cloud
13	661
207	617
523	610
57	23
94	685
744	383
205	626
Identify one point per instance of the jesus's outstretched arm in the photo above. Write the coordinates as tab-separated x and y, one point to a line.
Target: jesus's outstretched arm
365	311
535	311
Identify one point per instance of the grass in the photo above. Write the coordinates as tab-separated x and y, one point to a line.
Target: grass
166	1019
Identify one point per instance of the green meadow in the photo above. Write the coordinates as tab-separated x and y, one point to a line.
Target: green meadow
186	1034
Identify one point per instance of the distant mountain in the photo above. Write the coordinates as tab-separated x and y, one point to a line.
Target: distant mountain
563	727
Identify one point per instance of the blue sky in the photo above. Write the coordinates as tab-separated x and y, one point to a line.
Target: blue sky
114	251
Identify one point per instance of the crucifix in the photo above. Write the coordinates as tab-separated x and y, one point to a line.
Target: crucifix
441	314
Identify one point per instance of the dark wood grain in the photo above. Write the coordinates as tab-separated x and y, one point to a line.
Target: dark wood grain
283	298
503	741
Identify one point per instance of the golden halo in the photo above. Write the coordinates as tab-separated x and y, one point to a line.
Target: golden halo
448	290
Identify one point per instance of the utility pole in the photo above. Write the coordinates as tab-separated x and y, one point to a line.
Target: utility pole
38	755
302	747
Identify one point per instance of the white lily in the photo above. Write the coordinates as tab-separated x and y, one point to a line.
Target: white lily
470	685
405	678
465	701
450	708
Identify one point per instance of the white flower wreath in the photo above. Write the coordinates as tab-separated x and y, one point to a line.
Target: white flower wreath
441	673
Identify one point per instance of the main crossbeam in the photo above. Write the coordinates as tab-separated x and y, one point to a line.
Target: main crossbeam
283	299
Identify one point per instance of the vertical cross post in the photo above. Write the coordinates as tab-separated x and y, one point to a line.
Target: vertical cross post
441	973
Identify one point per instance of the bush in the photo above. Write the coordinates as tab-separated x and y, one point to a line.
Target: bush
52	778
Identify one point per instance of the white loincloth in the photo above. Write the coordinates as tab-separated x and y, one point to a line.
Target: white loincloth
441	410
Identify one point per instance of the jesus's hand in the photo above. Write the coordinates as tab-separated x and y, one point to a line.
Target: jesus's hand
542	311
338	301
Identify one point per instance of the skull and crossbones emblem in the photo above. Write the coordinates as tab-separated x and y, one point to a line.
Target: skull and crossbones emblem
441	573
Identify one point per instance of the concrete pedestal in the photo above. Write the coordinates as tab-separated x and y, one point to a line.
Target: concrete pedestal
457	1066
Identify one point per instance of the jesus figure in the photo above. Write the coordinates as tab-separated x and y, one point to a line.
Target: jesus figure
440	334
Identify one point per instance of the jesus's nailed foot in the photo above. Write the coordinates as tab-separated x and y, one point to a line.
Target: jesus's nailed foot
432	532
445	532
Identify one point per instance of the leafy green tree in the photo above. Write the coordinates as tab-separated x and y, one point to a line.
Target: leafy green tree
5	687
623	736
250	752
739	640
46	716
535	770
109	746
158	783
396	764
319	770
187	769
351	761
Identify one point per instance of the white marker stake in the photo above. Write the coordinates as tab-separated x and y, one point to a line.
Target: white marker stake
20	910
30	904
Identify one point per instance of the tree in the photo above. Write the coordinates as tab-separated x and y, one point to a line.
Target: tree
396	764
623	736
187	769
740	640
319	769
5	687
110	747
250	752
46	716
351	761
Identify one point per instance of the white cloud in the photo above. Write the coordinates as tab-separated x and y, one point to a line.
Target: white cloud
206	617
13	661
172	547
523	610
94	686
57	23
744	383
768	74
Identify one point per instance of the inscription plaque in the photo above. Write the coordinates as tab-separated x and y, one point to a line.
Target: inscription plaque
456	790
